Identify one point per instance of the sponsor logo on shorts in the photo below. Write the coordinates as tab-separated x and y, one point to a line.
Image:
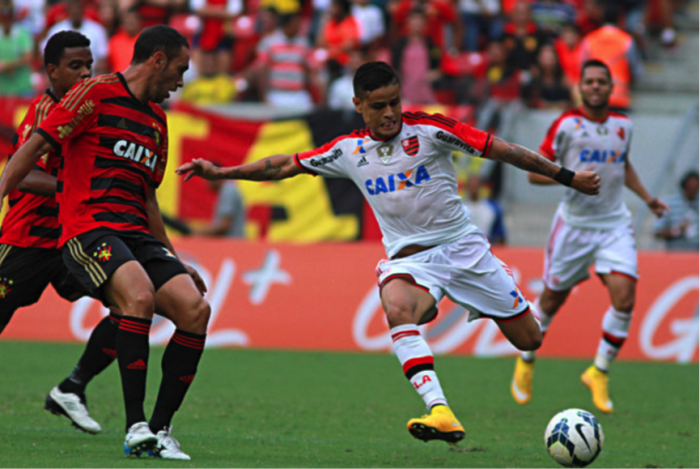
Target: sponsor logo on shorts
324	160
517	297
396	182
5	289
103	253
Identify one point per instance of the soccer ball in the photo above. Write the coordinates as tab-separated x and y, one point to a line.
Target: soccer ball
574	438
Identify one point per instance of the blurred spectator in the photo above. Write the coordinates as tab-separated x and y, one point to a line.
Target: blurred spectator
486	213
616	48
319	7
501	83
284	71
153	12
339	34
417	61
442	22
78	21
522	38
229	213
31	15
121	45
479	18
211	86
16	48
370	21
58	11
568	48
552	15
548	88
215	33
283	7
679	227
341	92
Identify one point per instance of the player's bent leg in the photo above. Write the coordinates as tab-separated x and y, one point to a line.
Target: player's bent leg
525	334
181	302
130	289
616	324
406	305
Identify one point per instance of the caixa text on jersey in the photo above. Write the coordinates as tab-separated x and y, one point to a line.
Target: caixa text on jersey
135	152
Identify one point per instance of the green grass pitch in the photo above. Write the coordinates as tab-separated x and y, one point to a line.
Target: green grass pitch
294	409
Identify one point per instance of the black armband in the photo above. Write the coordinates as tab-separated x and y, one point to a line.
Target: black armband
565	177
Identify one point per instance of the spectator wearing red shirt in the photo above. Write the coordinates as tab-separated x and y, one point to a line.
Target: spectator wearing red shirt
568	48
339	35
442	22
121	45
522	38
215	34
417	61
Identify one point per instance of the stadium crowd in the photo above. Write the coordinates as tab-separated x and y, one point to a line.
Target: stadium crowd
495	56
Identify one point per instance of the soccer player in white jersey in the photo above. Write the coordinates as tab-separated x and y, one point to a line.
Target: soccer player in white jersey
402	163
590	230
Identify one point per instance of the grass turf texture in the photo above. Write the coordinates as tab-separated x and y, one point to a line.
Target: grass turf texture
292	409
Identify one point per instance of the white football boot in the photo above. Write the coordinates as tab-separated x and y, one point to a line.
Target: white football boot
73	407
168	447
138	439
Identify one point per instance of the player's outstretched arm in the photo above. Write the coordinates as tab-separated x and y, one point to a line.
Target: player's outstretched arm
586	182
268	169
22	162
636	185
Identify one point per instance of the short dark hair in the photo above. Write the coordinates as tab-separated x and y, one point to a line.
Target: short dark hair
595	63
372	76
158	38
59	42
688	176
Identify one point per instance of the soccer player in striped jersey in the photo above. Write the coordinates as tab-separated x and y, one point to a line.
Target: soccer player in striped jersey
30	258
402	163
114	141
591	231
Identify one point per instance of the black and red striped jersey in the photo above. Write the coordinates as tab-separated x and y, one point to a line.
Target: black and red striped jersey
32	220
115	149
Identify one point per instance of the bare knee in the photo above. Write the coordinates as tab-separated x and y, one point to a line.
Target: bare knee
624	304
550	302
196	318
530	342
140	304
398	314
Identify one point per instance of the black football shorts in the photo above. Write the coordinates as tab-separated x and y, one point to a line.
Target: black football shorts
26	272
92	257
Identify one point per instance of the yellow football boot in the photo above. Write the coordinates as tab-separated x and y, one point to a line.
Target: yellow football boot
441	424
521	387
597	382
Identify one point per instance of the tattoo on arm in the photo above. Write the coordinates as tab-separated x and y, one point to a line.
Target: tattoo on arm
267	173
528	160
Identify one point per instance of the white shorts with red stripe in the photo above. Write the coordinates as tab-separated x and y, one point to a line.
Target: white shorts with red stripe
571	251
467	272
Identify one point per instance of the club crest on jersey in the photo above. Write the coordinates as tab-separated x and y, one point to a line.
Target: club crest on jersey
396	182
621	133
103	253
385	152
360	150
410	145
135	152
5	287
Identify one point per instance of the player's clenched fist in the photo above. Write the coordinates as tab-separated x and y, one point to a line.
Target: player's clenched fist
587	182
198	167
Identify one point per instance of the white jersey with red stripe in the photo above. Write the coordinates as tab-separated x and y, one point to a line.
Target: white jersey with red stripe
581	143
408	180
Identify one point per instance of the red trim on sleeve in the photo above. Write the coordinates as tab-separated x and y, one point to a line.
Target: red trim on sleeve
301	166
547	145
487	147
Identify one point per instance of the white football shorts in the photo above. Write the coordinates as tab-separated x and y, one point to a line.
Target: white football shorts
571	251
467	272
